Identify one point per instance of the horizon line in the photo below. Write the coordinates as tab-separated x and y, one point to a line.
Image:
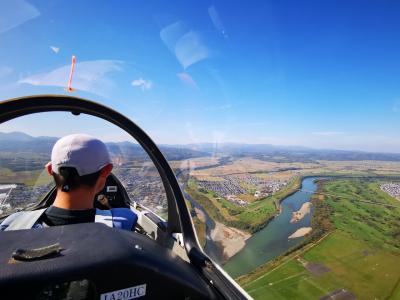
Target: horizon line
232	143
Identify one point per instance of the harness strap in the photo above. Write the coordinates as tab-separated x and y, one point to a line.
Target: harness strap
125	219
24	220
105	217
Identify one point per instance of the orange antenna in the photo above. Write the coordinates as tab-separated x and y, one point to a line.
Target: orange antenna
69	86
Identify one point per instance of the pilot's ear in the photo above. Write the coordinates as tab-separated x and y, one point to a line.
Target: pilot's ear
49	168
106	170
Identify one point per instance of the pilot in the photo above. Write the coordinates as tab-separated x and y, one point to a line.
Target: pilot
79	165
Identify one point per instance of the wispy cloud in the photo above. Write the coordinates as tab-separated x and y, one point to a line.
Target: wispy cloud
90	76
55	49
328	133
143	84
5	71
187	79
219	107
188	46
15	13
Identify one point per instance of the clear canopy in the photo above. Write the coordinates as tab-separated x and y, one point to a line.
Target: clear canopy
280	119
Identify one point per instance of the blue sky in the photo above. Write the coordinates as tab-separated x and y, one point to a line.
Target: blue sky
323	74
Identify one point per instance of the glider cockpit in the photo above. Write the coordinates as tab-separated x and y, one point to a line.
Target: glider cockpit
160	259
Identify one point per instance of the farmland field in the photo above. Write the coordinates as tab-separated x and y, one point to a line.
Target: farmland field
360	255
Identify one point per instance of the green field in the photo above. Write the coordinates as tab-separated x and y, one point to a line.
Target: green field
250	218
361	254
200	231
29	178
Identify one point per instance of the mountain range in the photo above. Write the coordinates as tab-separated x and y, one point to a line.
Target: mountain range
21	142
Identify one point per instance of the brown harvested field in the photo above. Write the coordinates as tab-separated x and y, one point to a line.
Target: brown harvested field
378	167
194	162
277	176
251	165
209	178
287	170
247	197
316	269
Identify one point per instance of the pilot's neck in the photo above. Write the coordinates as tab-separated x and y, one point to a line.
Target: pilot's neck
78	199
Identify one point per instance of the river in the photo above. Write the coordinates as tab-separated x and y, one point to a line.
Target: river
212	248
269	242
272	240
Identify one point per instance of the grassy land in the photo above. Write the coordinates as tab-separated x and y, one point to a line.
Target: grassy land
250	218
378	225
200	231
361	254
30	178
369	273
23	161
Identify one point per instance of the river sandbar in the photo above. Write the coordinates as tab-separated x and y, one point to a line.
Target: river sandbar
200	214
300	232
232	239
300	214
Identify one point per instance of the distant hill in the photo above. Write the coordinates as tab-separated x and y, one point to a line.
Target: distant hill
18	142
15	136
135	151
240	149
288	153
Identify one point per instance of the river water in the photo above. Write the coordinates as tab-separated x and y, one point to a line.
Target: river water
272	240
269	242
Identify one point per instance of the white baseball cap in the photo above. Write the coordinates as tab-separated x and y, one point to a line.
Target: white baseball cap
80	151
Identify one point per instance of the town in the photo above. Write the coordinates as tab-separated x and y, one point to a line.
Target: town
393	189
15	197
145	188
230	187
